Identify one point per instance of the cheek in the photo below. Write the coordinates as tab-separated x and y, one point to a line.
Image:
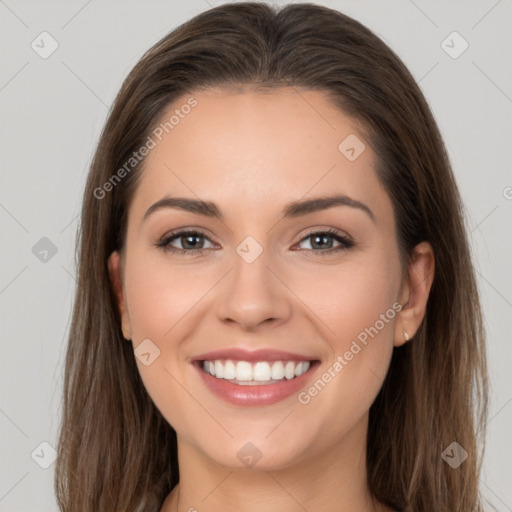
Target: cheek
353	297
359	305
161	303
160	295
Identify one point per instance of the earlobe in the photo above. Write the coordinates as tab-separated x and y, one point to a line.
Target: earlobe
116	279
415	293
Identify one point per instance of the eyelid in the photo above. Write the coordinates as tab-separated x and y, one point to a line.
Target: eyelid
344	239
178	233
329	230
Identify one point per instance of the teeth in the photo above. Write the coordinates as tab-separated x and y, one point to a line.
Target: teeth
219	370
243	370
245	373
277	371
299	369
261	372
289	370
229	370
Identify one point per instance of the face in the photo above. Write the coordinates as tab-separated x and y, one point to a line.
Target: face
261	290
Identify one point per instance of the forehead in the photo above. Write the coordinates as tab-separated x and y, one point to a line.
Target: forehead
255	149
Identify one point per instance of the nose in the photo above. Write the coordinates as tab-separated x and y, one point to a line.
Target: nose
253	295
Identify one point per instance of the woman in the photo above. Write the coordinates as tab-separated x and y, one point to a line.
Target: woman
276	307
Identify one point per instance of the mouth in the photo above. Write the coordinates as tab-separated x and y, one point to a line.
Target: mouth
254	378
245	373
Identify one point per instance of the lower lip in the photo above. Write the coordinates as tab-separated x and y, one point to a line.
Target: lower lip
266	394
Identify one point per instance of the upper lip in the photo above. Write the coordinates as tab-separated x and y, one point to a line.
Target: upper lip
239	354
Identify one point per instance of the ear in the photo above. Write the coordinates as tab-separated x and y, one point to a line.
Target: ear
116	278
415	292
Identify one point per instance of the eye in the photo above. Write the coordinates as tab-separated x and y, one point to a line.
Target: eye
321	242
190	241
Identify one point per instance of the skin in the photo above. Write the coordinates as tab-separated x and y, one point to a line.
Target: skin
252	153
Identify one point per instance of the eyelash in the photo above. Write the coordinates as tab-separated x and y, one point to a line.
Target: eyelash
164	243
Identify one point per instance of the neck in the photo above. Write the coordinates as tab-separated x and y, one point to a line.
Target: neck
332	480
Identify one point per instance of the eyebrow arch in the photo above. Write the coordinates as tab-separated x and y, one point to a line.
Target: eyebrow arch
293	209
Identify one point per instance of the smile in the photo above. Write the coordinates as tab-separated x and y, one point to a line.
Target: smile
245	373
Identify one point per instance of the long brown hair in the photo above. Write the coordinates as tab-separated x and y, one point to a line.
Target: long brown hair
116	451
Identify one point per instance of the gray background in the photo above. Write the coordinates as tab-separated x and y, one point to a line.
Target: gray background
52	111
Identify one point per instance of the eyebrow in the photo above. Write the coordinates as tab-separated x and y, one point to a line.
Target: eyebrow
291	210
